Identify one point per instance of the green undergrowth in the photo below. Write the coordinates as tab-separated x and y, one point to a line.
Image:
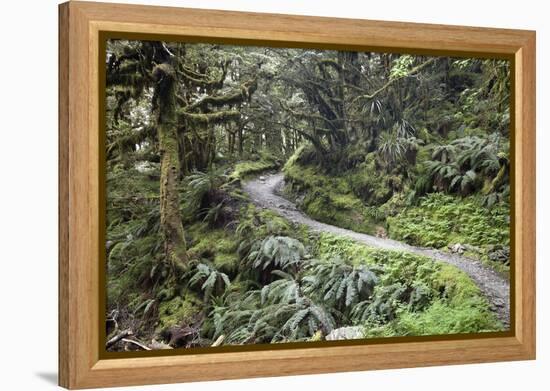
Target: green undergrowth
257	223
335	199
133	241
442	220
415	295
178	310
261	163
367	198
458	308
216	245
255	277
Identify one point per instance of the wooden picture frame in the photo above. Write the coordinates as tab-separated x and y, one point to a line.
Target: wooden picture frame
81	25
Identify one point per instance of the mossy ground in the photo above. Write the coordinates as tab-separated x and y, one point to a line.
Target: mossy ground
329	199
259	164
459	308
440	219
216	245
178	310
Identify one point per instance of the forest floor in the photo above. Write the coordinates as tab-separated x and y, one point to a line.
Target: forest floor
264	191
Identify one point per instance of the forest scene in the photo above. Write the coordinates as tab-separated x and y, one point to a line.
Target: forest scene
259	195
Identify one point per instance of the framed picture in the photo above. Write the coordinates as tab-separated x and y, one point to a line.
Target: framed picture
246	195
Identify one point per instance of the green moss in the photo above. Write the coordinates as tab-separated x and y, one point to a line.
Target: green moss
392	267
226	262
452	220
167	293
454	284
460	307
318	336
247	169
129	263
217	245
178	310
326	198
370	183
329	246
262	222
440	318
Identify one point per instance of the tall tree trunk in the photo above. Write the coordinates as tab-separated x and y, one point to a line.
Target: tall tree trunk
170	218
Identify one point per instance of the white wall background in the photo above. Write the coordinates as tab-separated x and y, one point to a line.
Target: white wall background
28	193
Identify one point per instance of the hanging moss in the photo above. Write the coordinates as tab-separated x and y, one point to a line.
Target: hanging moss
231	99
215	118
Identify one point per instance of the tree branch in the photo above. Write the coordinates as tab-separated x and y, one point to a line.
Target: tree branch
118	337
391	81
139	344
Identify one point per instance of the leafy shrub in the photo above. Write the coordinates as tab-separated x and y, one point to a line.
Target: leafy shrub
206	198
455	305
340	283
208	277
441	219
278	312
276	252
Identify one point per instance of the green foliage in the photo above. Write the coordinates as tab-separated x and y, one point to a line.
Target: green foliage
458	308
468	165
276	252
278	312
217	246
440	220
267	242
330	247
339	282
472	316
334	200
177	311
133	242
207	197
415	145
400	66
209	279
201	186
247	169
409	289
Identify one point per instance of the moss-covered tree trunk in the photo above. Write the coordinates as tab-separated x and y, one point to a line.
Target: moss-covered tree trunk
170	217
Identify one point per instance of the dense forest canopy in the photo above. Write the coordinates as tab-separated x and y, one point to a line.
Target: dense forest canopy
411	148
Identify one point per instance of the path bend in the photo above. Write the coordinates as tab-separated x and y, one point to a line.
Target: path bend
264	193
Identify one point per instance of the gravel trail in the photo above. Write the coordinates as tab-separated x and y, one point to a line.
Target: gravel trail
264	193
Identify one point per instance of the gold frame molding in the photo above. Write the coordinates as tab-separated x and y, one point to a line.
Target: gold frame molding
83	27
